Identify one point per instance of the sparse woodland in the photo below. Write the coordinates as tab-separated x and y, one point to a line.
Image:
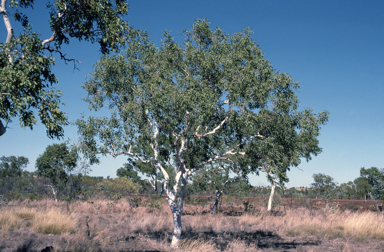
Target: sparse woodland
99	214
196	118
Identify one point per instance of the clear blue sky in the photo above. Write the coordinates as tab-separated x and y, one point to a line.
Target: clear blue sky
335	49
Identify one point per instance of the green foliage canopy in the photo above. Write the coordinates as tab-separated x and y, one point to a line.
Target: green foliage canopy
323	183
56	161
215	98
25	60
12	166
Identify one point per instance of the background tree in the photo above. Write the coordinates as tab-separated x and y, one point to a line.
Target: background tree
214	99
362	187
25	59
132	169
375	178
127	171
215	179
56	161
346	191
12	166
323	183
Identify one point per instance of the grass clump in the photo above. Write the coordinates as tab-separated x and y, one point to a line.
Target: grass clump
357	225
9	220
54	222
196	245
46	222
25	213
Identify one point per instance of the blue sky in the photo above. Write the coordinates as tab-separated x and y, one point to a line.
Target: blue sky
333	48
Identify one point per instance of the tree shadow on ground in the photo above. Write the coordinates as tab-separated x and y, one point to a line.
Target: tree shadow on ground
263	239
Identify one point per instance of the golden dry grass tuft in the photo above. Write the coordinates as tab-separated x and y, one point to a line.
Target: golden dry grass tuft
196	245
357	225
8	220
52	221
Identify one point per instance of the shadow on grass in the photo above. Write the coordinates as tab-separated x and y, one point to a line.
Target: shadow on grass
263	239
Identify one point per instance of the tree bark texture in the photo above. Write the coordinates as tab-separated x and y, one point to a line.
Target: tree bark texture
177	207
217	200
176	214
271	198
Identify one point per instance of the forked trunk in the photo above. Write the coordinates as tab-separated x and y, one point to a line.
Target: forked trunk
217	200
271	198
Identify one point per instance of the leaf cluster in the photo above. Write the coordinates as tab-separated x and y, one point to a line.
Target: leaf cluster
26	74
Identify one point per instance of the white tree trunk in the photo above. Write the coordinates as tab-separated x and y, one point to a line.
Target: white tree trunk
54	191
177	209
176	214
7	23
271	198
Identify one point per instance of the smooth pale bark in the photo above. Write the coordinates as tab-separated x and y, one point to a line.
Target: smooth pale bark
177	208
54	191
271	198
7	23
176	214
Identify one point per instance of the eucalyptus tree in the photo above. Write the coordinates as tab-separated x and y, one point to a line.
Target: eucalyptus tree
56	161
12	166
26	59
212	99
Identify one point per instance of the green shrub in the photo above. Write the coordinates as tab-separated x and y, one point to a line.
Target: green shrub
13	195
116	188
32	196
155	202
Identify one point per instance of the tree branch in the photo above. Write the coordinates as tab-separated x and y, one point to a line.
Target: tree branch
211	132
229	152
62	56
8	26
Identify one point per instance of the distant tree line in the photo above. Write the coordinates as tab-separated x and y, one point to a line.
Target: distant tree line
60	173
370	185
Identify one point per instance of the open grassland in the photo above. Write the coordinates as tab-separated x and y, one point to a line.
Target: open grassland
123	226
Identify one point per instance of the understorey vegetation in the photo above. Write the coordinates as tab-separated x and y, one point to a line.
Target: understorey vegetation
146	225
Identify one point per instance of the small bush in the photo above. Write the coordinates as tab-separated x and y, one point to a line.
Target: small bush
13	195
119	187
32	196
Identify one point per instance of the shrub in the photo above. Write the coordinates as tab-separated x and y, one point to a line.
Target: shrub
13	195
116	188
32	196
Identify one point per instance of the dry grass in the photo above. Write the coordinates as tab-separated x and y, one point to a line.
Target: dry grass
196	245
52	221
114	225
356	225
